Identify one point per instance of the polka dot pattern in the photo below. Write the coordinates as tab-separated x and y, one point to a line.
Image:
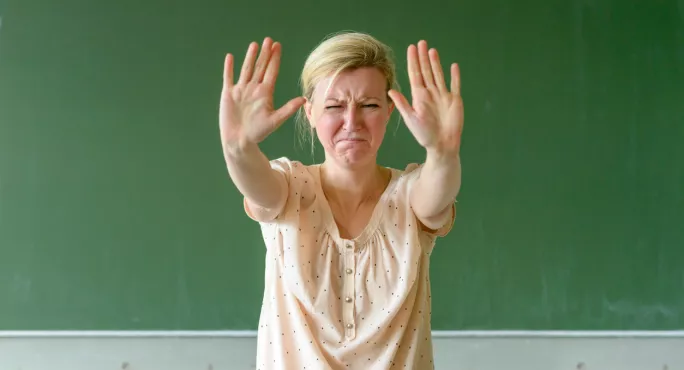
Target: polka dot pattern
335	303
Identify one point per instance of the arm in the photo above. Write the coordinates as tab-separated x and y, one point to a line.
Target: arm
246	118
435	191
436	120
264	188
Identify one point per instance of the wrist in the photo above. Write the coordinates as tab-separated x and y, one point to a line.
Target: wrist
443	156
239	148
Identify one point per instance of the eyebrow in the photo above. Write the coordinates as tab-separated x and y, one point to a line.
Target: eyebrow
360	99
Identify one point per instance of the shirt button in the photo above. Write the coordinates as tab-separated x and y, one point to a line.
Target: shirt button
348	299
349	246
349	271
349	326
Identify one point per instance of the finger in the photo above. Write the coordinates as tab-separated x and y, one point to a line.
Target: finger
287	110
425	67
415	77
248	63
455	79
402	104
437	70
273	65
228	71
405	109
263	60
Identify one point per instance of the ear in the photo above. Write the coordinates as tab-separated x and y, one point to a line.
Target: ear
307	109
390	107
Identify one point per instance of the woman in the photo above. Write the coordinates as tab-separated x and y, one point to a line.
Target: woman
348	241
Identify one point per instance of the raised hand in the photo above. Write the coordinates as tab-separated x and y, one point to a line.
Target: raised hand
247	115
436	116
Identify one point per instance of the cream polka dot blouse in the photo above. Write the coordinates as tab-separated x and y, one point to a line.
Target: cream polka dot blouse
334	303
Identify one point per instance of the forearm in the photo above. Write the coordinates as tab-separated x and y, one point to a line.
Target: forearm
252	174
437	186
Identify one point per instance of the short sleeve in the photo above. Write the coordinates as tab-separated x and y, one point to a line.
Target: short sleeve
411	173
446	228
283	166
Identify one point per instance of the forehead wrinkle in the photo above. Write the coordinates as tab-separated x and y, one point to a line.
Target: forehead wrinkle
336	92
339	89
347	98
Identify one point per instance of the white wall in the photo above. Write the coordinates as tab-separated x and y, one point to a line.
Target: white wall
235	351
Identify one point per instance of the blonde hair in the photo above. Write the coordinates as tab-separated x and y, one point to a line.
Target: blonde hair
336	53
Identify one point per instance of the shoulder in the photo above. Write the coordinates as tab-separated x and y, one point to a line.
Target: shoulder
287	166
400	186
401	194
407	176
295	172
301	180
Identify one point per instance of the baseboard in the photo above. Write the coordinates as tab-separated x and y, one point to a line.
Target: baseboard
236	350
253	333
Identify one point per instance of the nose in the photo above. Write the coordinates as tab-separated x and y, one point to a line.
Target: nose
352	118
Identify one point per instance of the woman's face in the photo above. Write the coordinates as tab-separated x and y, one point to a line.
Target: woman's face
350	120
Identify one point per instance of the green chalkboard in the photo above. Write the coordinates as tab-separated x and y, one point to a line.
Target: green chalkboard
117	213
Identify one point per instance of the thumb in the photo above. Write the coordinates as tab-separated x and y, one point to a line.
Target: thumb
287	110
402	105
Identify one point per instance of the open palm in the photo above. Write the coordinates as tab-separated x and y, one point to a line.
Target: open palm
246	113
435	118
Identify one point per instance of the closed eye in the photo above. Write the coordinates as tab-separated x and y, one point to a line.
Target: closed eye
371	106
333	106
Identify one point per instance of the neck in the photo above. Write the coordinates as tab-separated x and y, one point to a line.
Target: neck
352	185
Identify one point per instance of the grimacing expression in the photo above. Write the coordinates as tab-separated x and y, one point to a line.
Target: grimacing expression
351	119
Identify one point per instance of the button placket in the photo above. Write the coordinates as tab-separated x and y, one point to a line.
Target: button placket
348	308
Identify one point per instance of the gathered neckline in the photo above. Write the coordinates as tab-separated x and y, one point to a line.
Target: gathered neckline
372	225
